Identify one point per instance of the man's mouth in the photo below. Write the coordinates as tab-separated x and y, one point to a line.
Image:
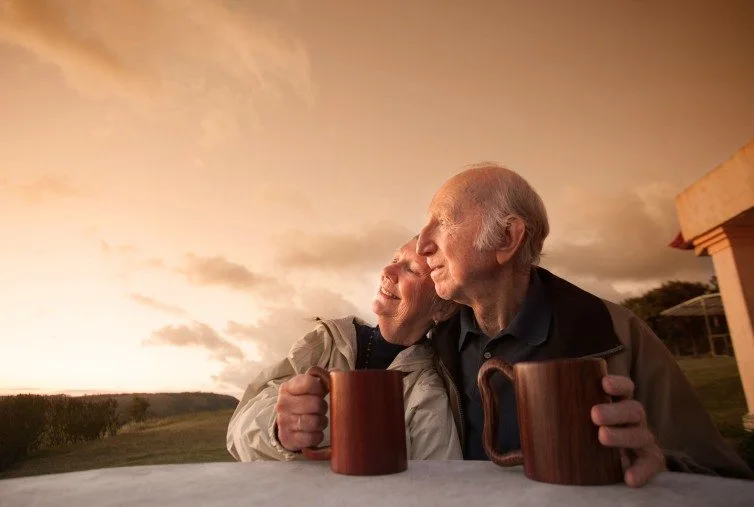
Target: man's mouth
388	294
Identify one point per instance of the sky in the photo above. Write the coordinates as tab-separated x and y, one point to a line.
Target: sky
184	185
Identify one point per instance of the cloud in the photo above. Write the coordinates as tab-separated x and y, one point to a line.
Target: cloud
209	271
370	248
157	305
153	263
619	239
107	248
200	335
49	187
202	271
216	58
61	33
274	335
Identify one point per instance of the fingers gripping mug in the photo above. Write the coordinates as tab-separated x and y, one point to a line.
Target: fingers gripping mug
367	426
554	399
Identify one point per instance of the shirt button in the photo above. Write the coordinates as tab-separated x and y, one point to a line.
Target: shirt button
487	355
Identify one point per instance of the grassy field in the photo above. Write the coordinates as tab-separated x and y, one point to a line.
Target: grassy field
190	438
717	382
200	437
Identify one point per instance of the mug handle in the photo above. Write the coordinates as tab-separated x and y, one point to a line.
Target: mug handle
322	453
509	459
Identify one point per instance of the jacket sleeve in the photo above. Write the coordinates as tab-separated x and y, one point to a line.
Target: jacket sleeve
432	431
684	430
251	432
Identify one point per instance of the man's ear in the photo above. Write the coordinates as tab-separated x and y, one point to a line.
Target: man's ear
512	240
443	310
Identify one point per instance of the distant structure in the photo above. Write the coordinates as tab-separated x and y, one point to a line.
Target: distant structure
716	215
707	306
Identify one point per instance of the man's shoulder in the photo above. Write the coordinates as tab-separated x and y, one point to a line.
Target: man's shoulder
561	290
564	292
627	326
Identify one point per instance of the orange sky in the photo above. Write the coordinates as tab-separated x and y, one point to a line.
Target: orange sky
183	184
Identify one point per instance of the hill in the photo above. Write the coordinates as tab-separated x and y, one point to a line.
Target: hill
169	404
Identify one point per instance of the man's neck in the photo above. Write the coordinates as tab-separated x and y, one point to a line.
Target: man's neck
498	301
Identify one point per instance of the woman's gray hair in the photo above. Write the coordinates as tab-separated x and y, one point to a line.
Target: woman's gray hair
504	195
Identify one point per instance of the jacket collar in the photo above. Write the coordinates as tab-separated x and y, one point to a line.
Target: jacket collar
416	357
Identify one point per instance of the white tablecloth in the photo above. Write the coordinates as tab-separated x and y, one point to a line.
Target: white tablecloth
431	483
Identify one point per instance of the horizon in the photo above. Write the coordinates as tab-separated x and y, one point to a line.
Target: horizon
86	392
182	191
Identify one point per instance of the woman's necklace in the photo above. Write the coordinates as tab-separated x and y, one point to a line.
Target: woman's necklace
370	341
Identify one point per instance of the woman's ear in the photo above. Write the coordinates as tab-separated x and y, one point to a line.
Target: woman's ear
443	310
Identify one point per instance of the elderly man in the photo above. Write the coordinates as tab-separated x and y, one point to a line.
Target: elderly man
483	241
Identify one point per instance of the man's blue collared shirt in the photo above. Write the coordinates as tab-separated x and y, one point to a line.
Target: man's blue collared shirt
513	344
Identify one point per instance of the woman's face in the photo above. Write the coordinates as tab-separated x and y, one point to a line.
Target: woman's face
404	302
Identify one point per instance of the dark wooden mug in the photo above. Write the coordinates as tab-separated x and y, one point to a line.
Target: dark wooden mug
554	400
367	425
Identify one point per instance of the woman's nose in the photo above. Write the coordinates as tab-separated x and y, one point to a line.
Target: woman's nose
390	272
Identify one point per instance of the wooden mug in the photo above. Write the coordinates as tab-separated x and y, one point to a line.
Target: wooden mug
554	400
367	425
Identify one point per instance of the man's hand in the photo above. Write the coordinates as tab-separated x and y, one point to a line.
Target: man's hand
300	412
623	425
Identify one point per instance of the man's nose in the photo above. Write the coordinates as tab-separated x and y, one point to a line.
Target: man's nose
424	244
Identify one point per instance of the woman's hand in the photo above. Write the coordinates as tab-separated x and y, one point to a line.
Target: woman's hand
301	413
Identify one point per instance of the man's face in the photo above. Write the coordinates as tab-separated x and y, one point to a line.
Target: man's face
447	241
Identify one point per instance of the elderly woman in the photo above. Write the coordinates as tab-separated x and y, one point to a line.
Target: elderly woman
284	410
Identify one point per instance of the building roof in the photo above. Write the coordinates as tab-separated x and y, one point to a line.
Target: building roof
709	304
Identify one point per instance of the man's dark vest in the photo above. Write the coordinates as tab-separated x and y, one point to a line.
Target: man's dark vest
581	327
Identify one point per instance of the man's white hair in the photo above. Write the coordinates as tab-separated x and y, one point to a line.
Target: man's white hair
504	195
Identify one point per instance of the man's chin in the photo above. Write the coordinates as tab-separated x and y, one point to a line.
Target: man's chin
444	290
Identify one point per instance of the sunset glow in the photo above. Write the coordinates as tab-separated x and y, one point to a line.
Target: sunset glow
181	189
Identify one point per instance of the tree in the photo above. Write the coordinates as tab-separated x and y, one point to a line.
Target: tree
684	335
139	408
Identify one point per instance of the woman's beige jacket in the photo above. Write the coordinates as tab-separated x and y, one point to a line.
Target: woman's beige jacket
430	430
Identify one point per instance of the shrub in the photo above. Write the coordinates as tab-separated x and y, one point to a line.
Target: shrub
29	422
71	420
139	408
22	425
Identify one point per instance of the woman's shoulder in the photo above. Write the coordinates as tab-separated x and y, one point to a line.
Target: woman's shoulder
328	338
425	379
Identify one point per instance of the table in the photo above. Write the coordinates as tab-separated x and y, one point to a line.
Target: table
431	483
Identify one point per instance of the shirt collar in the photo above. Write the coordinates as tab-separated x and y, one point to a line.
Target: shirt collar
530	325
